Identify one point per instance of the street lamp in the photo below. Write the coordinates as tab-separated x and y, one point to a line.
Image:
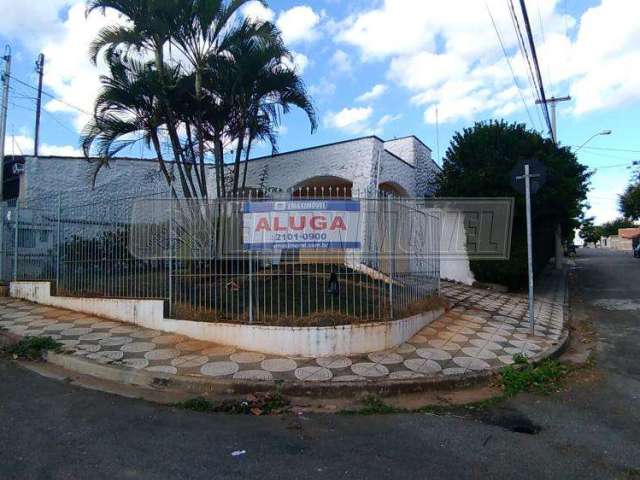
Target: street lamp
603	132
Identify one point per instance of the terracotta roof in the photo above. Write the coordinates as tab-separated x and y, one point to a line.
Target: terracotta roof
629	232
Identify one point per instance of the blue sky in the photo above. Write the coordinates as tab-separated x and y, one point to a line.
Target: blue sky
384	67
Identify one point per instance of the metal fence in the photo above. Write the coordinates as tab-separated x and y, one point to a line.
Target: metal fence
199	255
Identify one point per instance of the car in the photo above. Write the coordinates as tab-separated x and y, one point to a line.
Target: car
636	251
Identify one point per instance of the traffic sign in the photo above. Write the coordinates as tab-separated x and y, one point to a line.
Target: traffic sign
537	171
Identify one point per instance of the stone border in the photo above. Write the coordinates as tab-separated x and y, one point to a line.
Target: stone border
308	342
199	386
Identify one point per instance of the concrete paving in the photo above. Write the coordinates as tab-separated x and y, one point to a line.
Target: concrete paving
482	332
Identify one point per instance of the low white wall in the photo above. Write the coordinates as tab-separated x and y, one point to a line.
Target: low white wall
307	341
146	313
293	341
454	260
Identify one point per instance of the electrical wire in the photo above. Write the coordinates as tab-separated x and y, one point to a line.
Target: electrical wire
506	56
536	63
525	55
50	95
608	149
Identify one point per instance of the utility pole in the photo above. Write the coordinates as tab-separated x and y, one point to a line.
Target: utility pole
554	136
3	113
553	101
40	72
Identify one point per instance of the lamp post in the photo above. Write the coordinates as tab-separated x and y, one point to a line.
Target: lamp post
603	132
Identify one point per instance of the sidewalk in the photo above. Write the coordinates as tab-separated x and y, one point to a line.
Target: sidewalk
481	333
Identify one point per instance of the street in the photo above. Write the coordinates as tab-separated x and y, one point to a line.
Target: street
49	429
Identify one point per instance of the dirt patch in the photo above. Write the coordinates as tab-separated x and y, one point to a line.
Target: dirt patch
328	318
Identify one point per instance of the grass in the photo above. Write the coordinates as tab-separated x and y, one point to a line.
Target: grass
545	377
373	405
33	348
271	403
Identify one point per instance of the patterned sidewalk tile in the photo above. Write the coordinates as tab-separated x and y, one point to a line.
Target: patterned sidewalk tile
483	330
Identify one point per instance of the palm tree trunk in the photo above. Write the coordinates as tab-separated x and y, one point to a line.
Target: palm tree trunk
236	169
173	134
163	167
193	164
218	153
200	133
246	163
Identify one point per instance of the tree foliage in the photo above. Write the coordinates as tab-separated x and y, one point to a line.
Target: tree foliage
197	76
629	201
478	163
589	232
610	228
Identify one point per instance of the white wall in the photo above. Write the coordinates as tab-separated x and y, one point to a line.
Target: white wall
293	341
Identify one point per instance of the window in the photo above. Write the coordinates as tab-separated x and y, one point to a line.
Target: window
26	238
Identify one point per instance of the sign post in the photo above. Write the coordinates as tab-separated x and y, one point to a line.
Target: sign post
529	189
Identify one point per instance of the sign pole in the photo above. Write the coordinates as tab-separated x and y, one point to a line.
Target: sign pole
527	187
250	282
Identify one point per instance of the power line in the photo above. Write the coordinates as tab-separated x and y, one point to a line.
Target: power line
609	149
506	56
536	64
17	105
620	165
15	95
50	95
606	155
55	119
525	54
544	41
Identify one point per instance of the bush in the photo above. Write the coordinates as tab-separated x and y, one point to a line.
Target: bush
478	163
33	348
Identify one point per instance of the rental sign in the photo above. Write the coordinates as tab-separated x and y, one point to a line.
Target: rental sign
304	224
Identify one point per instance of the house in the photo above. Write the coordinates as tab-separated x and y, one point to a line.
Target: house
625	240
360	167
402	167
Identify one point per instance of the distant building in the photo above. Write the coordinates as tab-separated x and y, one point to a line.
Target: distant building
625	241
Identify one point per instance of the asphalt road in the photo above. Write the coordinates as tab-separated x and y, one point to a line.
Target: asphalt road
49	429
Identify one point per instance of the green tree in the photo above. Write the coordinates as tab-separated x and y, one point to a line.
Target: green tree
611	228
629	201
589	232
478	163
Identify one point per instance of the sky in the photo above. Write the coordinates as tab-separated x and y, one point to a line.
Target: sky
385	67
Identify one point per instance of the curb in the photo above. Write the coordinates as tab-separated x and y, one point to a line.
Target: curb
200	385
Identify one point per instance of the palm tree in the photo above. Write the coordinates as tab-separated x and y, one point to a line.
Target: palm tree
127	110
204	39
275	89
228	81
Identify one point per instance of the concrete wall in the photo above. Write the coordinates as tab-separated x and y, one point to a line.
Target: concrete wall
146	313
350	160
413	151
615	242
292	341
405	161
46	177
